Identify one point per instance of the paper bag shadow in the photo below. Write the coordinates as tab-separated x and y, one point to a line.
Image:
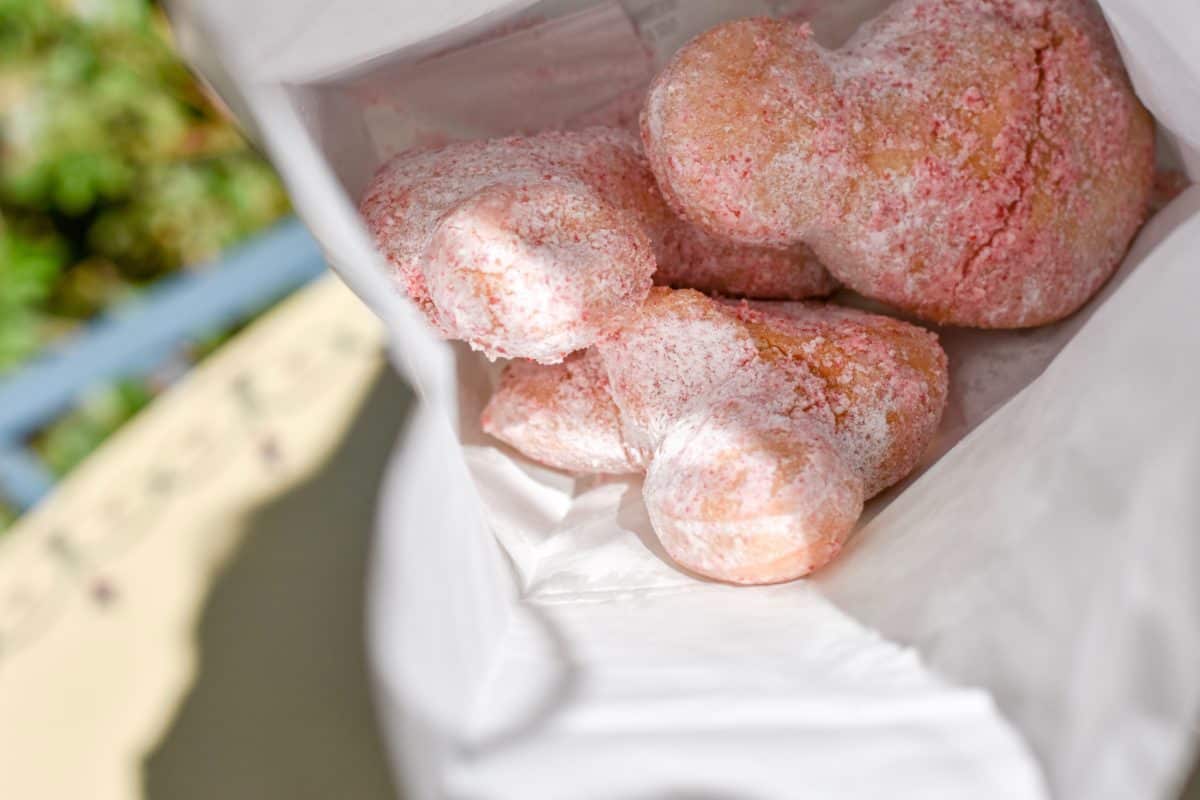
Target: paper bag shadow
281	707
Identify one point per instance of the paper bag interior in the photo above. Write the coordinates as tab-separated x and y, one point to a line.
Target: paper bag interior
569	64
1023	547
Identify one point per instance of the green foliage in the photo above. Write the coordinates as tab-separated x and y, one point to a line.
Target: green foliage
114	171
29	265
109	149
8	516
70	439
87	288
86	110
187	212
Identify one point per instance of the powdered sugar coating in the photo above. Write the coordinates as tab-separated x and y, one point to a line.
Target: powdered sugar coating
689	257
562	415
884	381
745	484
694	259
977	162
523	247
748	491
538	246
764	423
668	360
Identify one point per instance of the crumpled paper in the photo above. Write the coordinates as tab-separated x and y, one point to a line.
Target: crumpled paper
1019	619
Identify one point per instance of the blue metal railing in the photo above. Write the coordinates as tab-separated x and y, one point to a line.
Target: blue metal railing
136	337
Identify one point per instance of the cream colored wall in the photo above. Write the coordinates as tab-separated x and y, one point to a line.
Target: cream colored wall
103	586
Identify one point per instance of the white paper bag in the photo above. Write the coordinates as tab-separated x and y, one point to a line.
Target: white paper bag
1019	620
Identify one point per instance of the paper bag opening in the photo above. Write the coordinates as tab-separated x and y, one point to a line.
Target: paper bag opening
1044	554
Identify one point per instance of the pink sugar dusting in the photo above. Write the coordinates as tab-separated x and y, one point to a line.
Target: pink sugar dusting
748	492
884	381
975	162
694	259
538	246
764	425
689	257
536	261
668	360
562	415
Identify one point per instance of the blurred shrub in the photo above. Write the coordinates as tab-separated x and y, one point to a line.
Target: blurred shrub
184	210
114	168
69	440
30	263
7	517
